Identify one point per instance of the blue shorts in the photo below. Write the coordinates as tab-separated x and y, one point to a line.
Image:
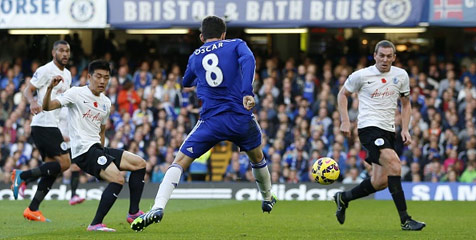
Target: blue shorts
242	130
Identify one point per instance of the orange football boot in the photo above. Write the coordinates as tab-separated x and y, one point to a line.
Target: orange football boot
34	215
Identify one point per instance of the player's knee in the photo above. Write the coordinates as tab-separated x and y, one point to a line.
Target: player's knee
118	179
141	164
137	163
64	165
391	162
255	155
394	167
379	183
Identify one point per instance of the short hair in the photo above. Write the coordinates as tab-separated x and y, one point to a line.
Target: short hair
59	42
212	27
384	44
98	64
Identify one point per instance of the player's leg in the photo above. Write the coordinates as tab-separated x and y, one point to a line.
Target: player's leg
263	178
391	162
250	141
199	141
169	183
56	160
136	165
75	199
368	186
171	179
111	174
44	185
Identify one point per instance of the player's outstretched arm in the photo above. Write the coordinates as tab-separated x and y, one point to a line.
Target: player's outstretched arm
35	108
406	114
102	134
49	105
342	107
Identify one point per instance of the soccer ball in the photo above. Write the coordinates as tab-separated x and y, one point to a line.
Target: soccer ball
325	170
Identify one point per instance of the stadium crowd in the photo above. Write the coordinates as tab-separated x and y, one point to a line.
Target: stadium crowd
296	109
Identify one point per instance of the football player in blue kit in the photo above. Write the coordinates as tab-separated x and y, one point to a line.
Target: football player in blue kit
223	73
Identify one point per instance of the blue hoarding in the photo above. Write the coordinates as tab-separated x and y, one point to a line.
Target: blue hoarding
266	13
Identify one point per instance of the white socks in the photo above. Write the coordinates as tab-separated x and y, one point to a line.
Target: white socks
263	179
170	182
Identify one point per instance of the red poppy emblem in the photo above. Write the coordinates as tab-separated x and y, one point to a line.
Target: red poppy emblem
95	104
384	81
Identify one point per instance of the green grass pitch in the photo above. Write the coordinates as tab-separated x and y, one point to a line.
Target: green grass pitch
229	219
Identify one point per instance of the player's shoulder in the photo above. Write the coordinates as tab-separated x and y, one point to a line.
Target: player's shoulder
398	70
76	89
105	99
67	72
42	69
361	73
233	40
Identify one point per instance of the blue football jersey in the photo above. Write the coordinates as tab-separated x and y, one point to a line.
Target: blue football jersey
223	72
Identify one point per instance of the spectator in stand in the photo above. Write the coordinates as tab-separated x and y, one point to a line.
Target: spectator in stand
470	73
469	175
415	173
142	114
142	77
450	82
128	100
123	75
352	176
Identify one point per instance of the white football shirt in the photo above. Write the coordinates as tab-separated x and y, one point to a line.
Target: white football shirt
41	80
86	113
378	95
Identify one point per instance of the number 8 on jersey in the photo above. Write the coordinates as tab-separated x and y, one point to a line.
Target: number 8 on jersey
212	68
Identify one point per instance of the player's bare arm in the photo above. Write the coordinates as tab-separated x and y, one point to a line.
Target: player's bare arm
35	108
406	114
102	134
49	105
248	102
342	107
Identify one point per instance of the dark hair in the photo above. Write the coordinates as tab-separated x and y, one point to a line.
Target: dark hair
384	44
212	27
59	42
98	64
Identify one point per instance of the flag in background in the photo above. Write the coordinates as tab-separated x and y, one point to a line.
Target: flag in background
447	9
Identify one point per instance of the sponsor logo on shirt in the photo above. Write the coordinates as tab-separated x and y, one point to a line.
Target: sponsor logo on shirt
93	117
384	94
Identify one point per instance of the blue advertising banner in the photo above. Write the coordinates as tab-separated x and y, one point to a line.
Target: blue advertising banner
266	13
434	192
452	13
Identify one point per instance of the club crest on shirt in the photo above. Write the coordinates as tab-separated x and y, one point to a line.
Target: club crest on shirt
395	80
104	107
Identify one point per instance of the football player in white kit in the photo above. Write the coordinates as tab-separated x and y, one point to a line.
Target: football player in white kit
378	87
88	112
45	132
